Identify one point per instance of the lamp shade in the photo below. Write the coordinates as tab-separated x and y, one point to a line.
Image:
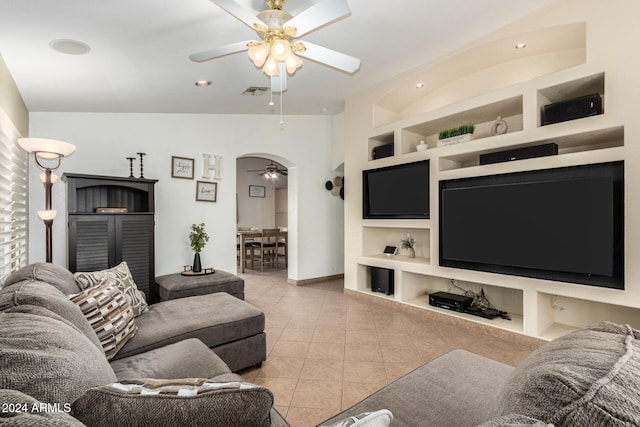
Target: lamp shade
47	215
47	148
293	63
258	53
280	49
271	67
43	178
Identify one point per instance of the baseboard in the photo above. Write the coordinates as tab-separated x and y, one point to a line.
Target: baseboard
315	280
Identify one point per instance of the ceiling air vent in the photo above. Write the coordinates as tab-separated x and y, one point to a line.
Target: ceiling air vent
255	90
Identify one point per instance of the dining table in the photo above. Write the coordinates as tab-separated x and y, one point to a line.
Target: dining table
252	235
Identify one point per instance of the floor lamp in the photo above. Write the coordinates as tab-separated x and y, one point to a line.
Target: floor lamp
48	154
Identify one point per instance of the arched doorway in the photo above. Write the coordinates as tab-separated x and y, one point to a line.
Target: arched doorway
263	201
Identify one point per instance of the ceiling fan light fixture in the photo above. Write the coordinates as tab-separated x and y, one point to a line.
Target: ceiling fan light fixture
258	53
271	67
292	63
280	49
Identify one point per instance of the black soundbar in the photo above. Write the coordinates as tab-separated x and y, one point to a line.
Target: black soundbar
571	109
550	149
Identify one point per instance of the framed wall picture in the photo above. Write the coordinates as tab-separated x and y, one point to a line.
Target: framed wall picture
256	191
206	191
181	167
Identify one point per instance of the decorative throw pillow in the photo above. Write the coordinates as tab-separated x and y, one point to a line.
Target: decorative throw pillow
123	281
587	377
183	402
110	315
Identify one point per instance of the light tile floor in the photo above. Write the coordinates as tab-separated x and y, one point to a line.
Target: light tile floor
327	351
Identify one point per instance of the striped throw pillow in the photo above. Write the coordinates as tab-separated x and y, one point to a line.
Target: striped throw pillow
123	280
109	314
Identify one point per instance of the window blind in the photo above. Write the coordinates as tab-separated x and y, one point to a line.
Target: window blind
14	209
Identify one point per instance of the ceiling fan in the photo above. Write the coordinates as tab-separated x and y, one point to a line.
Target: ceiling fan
277	50
271	171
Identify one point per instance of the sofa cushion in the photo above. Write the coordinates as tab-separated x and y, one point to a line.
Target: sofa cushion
587	377
456	389
214	319
18	409
188	402
44	357
109	314
123	280
53	274
32	292
188	358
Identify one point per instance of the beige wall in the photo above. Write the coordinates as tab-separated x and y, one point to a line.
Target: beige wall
11	101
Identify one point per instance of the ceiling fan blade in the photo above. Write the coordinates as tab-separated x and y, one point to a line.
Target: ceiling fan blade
330	57
318	15
233	8
220	51
279	83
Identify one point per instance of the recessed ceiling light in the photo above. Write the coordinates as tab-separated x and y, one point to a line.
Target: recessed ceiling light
202	83
324	109
69	47
521	45
420	85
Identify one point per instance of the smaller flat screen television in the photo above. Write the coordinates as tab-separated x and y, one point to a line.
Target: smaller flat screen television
396	192
564	224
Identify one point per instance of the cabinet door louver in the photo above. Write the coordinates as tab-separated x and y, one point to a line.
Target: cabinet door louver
91	239
135	239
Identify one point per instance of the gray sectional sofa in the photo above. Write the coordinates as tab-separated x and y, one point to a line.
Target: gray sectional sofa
590	377
53	368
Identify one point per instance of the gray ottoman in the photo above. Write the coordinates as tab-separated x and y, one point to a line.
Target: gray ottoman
232	328
174	286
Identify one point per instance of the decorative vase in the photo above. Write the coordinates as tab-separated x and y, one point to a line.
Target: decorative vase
412	253
197	267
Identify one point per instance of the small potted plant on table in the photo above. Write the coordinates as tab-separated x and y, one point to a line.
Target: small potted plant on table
197	238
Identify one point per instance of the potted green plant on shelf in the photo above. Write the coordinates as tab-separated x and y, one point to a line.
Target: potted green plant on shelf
462	133
198	238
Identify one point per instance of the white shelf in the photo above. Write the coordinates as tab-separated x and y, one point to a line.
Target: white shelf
556	330
513	325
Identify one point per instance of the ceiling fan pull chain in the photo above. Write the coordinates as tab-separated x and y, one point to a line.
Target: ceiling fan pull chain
281	101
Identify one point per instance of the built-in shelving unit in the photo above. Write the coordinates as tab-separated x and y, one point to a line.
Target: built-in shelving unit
539	308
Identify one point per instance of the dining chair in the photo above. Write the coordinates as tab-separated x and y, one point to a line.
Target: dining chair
267	247
283	235
248	249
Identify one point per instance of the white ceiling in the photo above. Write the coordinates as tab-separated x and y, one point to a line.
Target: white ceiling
139	51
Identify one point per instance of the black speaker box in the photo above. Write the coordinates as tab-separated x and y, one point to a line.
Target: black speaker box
550	149
382	280
577	108
381	151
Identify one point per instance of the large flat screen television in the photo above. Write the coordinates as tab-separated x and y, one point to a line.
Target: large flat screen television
564	224
400	191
